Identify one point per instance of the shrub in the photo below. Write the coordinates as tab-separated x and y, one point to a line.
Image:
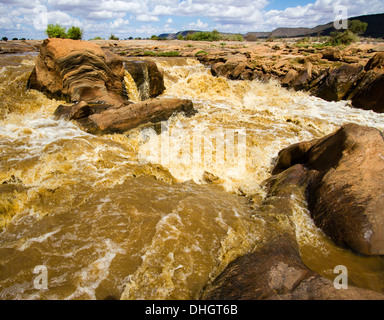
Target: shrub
342	38
56	31
75	33
113	37
357	27
4	39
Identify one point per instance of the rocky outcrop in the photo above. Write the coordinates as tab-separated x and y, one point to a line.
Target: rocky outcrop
369	92
93	80
345	189
119	120
275	270
149	80
78	71
338	83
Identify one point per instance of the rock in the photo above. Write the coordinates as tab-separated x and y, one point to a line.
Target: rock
232	68
289	77
303	78
149	80
345	189
275	270
331	54
75	70
119	120
376	63
337	84
369	93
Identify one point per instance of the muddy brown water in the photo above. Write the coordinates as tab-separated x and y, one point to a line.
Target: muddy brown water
153	213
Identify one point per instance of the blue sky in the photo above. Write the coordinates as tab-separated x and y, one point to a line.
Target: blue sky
143	18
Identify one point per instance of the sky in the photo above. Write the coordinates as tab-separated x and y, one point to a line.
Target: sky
144	18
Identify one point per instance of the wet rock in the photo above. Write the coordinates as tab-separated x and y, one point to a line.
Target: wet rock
369	94
345	190
337	84
275	270
148	78
303	78
78	71
119	120
232	68
289	78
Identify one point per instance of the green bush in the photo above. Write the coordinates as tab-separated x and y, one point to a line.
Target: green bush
342	38
75	33
113	37
357	27
56	31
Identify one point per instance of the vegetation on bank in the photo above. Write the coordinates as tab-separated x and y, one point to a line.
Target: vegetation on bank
58	31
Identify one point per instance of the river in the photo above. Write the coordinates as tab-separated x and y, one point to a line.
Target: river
160	211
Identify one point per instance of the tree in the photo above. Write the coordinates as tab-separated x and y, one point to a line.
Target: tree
180	37
113	37
357	27
154	37
342	38
4	39
56	31
74	33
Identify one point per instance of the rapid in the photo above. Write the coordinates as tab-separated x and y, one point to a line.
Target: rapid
159	211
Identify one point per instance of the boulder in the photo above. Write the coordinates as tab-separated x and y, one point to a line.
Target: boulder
369	93
76	71
275	270
345	190
232	68
149	80
119	120
337	84
303	78
331	54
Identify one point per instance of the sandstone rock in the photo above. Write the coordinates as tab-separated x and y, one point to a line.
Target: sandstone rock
345	189
331	54
149	80
303	78
119	120
78	70
289	77
275	270
369	93
337	84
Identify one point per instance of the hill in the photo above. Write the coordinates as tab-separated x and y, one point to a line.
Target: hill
375	29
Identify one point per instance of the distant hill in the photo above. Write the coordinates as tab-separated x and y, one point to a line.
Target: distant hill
173	36
375	29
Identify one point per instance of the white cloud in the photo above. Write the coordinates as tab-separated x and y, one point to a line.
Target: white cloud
197	25
169	21
146	18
